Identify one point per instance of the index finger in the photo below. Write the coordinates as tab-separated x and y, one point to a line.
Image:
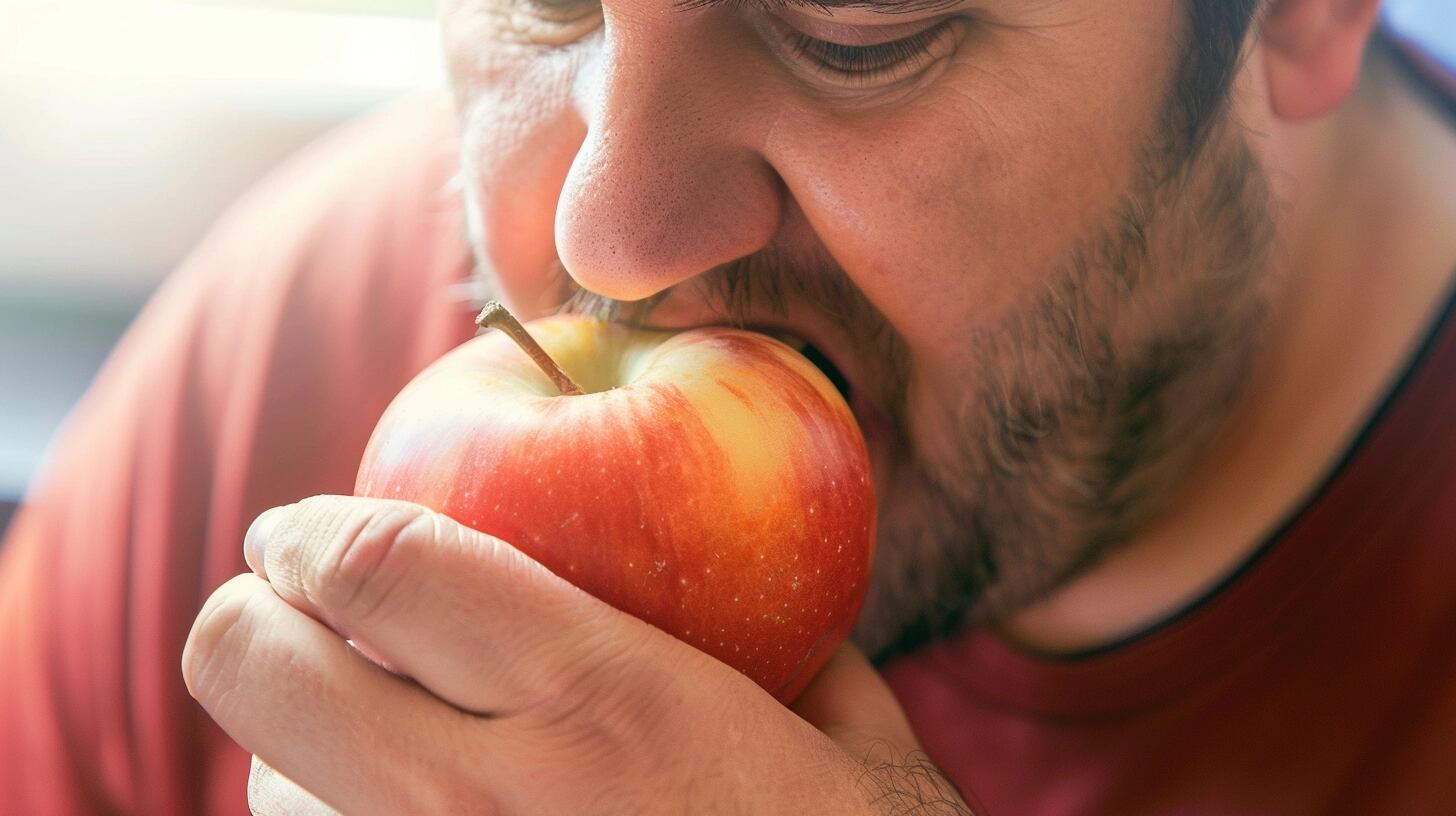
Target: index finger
468	616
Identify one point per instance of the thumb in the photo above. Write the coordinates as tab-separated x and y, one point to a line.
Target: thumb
850	703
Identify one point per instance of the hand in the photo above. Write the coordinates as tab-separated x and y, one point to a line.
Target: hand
509	690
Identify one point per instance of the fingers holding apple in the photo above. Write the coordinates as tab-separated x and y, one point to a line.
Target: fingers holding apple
506	665
522	692
531	696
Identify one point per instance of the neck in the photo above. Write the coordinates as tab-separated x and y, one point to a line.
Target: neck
1366	256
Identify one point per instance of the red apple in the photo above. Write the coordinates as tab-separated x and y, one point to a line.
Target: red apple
711	482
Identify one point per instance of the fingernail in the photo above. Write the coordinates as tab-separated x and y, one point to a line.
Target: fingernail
256	541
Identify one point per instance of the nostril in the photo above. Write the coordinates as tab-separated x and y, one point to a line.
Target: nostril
830	370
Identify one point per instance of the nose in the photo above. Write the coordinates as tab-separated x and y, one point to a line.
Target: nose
669	181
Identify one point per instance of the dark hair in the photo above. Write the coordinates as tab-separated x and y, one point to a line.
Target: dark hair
1217	29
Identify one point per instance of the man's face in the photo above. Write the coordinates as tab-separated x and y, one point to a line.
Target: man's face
1041	302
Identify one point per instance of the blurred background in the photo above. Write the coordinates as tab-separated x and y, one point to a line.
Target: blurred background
126	126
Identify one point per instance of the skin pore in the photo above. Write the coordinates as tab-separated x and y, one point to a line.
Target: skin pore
1047	302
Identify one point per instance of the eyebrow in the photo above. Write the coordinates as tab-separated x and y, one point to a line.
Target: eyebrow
877	6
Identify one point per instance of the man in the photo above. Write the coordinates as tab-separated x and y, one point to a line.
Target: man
1142	305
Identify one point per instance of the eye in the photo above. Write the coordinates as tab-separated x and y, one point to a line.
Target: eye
562	11
876	63
545	22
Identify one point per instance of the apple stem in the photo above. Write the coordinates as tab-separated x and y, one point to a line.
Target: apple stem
496	316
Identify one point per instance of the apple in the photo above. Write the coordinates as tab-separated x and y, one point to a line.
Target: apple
711	482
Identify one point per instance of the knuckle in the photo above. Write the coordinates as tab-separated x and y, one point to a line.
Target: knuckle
364	562
221	637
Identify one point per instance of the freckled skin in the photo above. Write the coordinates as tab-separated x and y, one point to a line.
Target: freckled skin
724	495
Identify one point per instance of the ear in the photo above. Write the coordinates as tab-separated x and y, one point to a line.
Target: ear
1312	52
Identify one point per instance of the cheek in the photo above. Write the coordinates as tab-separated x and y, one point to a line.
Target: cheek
520	133
951	212
947	226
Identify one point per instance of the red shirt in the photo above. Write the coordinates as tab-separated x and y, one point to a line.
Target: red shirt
1322	678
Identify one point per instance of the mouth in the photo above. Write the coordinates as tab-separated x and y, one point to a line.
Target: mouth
824	364
820	360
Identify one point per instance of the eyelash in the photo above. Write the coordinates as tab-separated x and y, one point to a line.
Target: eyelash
866	62
565	10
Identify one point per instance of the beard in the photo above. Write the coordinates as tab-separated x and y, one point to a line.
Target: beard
1084	405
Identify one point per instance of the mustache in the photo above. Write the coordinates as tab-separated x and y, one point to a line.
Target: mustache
770	281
